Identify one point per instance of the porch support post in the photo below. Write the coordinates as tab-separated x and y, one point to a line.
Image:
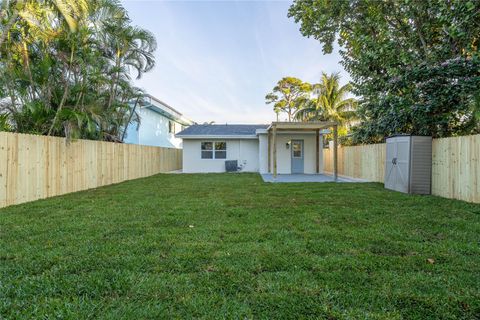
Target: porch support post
317	151
269	144
335	150
274	151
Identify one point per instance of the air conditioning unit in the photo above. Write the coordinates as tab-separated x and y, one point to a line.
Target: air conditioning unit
231	166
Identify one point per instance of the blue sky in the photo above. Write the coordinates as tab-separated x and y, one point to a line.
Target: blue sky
216	60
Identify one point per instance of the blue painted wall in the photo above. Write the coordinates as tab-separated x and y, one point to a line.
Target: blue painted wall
153	130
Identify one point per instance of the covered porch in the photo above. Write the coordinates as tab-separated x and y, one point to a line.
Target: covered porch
277	128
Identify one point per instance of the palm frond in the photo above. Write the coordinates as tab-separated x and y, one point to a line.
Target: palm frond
72	11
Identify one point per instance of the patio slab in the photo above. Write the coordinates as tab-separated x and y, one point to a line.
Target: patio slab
285	178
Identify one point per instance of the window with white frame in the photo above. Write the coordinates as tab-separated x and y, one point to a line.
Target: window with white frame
207	150
220	150
214	150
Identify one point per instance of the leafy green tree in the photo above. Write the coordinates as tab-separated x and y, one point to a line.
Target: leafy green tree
65	67
69	9
438	100
288	96
413	63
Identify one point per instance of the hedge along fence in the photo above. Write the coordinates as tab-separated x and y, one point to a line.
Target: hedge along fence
455	165
34	167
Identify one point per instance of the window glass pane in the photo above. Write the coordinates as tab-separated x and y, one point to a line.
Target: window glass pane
297	149
207	146
220	154
220	146
207	154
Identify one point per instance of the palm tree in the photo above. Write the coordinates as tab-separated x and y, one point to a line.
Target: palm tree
132	49
331	102
71	80
70	10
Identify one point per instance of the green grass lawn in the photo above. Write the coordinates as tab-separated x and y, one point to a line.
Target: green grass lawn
231	246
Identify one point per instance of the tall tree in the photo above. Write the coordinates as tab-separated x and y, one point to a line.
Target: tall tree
69	9
69	77
288	95
415	64
331	102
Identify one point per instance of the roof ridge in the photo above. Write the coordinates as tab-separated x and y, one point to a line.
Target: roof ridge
222	129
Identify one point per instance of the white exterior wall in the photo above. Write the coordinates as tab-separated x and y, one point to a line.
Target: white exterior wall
245	151
263	153
284	154
153	131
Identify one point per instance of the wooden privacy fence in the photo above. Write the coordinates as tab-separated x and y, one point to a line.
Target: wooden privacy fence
34	167
455	165
456	168
363	162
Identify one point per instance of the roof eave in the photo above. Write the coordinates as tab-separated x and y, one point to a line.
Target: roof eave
196	137
309	125
165	110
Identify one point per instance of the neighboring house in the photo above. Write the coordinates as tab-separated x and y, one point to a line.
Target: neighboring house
207	147
158	124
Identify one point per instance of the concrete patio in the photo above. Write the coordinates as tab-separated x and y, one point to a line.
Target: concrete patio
285	178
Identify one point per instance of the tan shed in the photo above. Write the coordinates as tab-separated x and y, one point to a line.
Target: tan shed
408	164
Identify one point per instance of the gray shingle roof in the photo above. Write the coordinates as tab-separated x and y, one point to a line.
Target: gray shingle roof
221	129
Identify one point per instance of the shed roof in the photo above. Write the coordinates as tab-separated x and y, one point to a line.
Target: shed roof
221	130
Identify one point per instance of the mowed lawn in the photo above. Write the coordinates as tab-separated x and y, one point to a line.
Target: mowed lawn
230	246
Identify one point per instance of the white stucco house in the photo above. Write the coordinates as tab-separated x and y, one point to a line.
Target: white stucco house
283	148
158	124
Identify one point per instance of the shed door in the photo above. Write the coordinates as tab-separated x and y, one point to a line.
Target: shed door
402	164
397	164
390	172
297	156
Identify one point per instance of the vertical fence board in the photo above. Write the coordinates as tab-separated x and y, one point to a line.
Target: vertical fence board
12	168
363	162
34	167
3	169
456	168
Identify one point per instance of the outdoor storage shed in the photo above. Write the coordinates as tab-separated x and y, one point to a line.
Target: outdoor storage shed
408	164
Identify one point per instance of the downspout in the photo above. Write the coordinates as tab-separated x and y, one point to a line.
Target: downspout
130	118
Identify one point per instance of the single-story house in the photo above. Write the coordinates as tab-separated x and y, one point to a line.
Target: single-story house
278	148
